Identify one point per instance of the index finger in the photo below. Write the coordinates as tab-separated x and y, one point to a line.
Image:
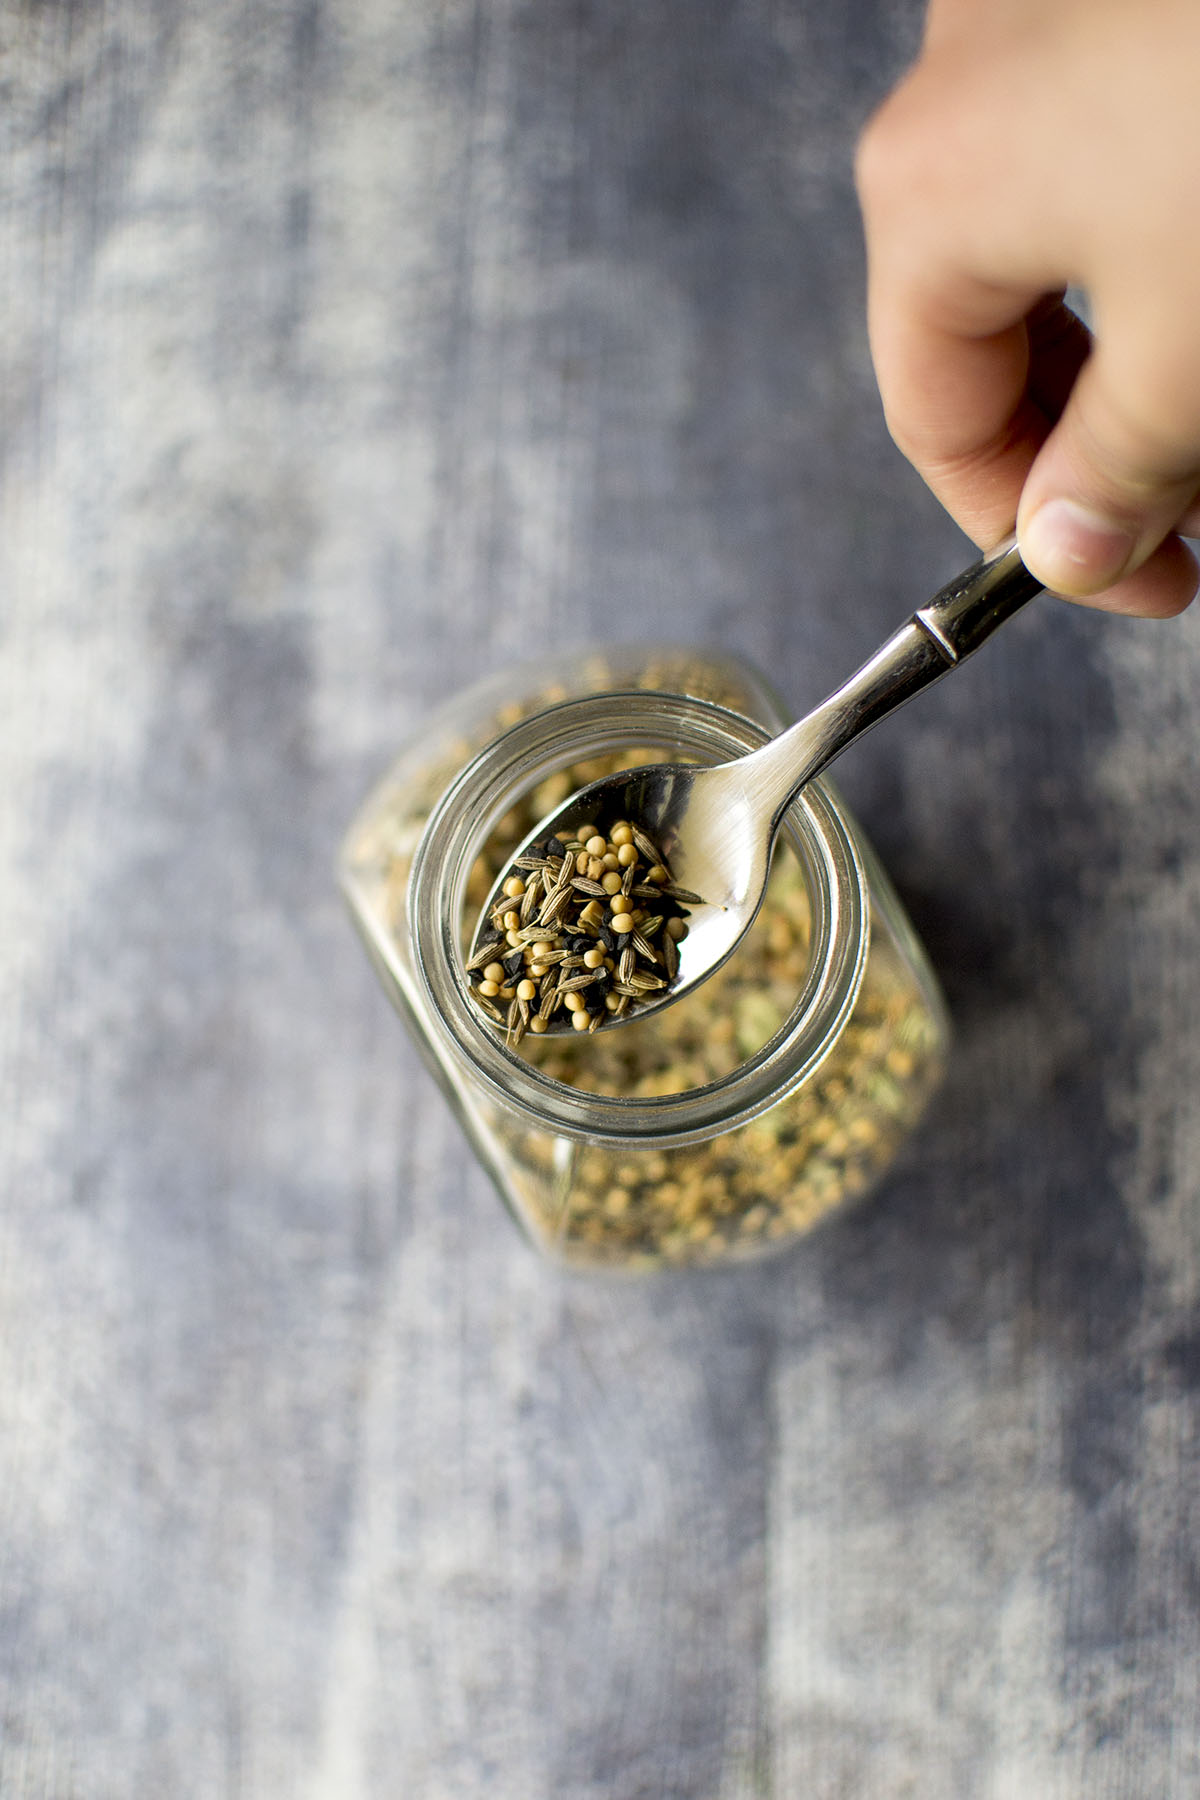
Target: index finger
971	402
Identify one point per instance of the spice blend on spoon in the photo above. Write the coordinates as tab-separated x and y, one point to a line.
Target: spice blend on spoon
585	927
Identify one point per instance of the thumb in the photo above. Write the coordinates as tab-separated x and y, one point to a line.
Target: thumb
1118	472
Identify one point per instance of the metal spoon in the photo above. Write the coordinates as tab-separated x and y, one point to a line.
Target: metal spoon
718	825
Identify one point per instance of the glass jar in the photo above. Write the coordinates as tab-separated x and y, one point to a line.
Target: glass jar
735	1119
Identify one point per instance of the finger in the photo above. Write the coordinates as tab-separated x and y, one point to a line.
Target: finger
1119	471
1161	588
958	406
1060	344
973	412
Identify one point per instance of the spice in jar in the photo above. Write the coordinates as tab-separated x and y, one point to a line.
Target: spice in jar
742	1191
719	1127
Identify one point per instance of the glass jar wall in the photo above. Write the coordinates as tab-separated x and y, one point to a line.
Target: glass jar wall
734	1120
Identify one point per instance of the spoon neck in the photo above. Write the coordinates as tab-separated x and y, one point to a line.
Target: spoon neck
935	640
908	662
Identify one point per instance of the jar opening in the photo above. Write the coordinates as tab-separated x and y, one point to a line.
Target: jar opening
773	1043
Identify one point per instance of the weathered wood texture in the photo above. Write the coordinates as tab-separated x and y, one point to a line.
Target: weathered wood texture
349	348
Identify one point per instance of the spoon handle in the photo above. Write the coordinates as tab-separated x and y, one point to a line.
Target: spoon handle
964	614
958	619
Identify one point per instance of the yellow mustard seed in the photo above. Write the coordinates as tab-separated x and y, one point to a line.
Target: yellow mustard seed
494	972
621	903
579	1019
527	990
595	846
514	887
593	959
489	989
626	854
621	835
622	922
611	882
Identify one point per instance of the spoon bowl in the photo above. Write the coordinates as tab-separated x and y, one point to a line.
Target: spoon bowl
706	825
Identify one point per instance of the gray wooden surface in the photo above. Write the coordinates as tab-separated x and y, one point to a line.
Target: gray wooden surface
350	348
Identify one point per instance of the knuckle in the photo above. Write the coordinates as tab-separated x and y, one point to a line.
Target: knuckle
902	149
885	152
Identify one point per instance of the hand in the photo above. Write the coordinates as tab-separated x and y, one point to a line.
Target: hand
1037	144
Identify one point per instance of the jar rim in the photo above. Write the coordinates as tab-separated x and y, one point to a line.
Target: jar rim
817	829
